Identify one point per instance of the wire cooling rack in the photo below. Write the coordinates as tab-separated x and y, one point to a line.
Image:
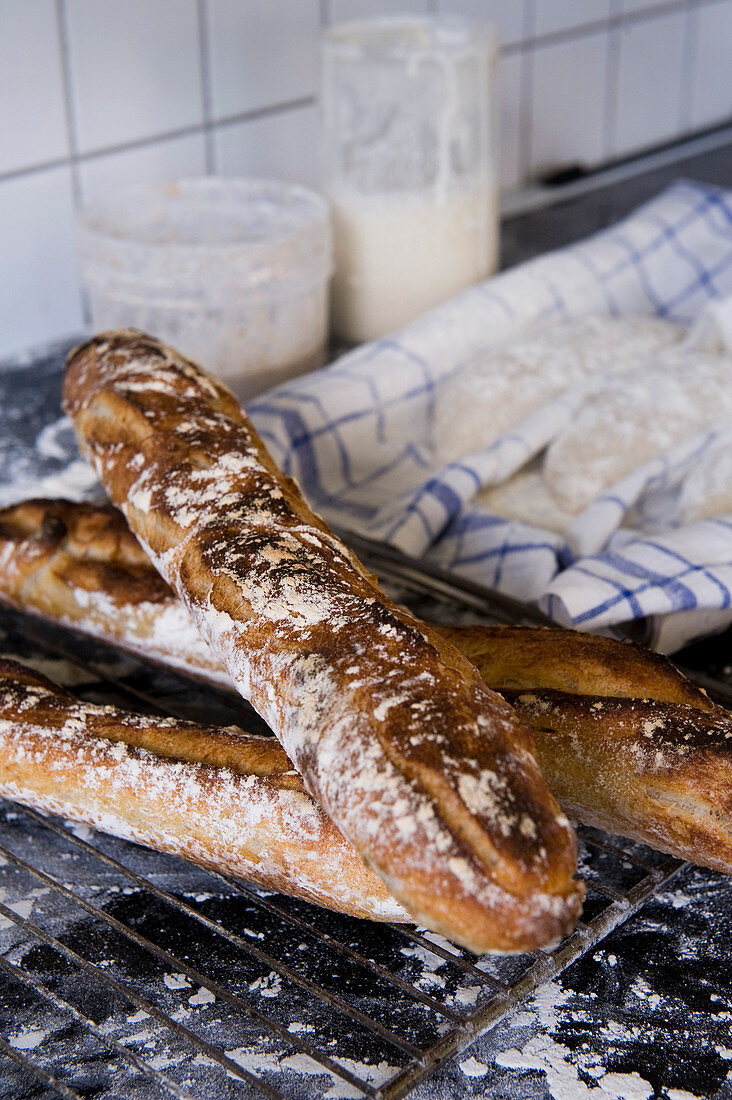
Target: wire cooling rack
126	973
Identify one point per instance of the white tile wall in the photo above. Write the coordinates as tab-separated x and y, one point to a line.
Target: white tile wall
40	297
32	117
268	58
628	6
649	111
171	158
507	16
711	96
568	103
554	16
284	145
124	90
337	10
135	69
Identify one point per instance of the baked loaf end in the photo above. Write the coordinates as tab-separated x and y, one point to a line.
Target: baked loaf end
427	772
625	741
224	799
78	564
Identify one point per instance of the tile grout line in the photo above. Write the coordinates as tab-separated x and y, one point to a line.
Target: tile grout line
72	131
585	30
154	139
530	41
69	111
205	60
708	138
265	112
34	169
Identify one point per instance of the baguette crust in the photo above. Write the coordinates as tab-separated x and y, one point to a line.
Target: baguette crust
427	772
658	773
591	701
226	800
513	658
78	564
625	742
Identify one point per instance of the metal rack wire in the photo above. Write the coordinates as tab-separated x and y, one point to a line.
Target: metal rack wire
124	972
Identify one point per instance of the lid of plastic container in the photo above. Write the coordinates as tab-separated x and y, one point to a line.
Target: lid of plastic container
228	234
396	37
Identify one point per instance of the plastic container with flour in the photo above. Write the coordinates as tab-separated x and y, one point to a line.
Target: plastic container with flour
232	272
409	166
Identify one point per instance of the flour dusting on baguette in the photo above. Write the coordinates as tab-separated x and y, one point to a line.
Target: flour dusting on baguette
224	799
386	722
604	769
78	564
625	741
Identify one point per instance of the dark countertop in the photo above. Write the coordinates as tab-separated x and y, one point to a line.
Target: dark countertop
648	1013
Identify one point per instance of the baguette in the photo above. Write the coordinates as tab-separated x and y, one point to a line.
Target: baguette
590	701
626	743
428	773
79	565
223	799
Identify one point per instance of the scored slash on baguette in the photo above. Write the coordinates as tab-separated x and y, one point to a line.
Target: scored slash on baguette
428	773
624	740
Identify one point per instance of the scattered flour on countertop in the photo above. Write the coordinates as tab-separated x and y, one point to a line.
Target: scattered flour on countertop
54	446
429	961
257	1061
471	1067
202	997
23	907
26	1038
163	1061
676	899
176	981
75	482
467	995
268	986
562	1066
50	440
643	991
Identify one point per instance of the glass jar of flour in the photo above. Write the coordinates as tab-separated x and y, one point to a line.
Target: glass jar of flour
410	169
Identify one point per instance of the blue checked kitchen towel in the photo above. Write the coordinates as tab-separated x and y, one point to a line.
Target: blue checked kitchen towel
359	435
